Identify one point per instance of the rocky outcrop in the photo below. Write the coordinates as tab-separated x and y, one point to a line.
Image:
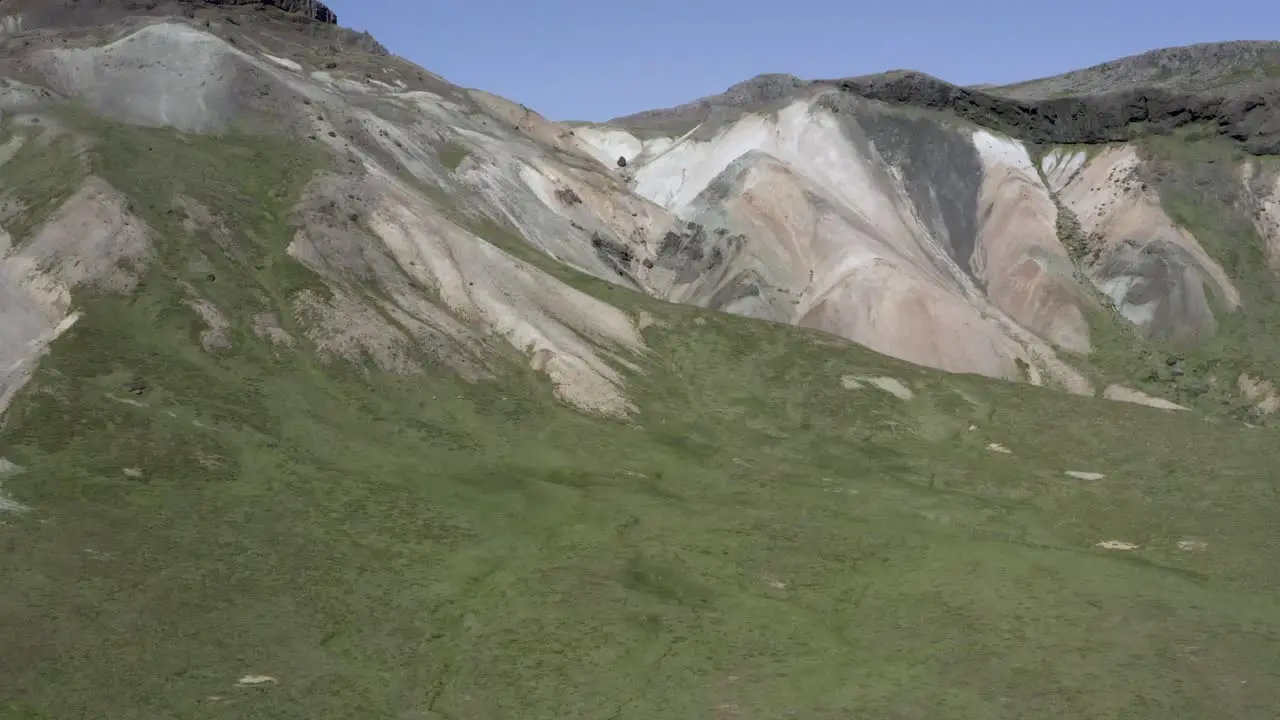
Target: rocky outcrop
1263	183
312	9
1251	117
24	15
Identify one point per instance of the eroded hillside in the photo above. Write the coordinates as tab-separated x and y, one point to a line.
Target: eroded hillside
935	224
964	247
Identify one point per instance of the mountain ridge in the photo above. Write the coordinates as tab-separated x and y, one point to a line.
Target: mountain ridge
1196	66
1245	115
68	10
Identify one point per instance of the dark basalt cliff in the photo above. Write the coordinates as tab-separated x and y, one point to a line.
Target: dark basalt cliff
1249	116
313	9
61	13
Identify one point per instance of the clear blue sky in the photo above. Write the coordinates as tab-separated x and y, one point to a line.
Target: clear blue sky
596	60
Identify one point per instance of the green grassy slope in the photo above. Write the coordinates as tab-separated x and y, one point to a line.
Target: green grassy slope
758	543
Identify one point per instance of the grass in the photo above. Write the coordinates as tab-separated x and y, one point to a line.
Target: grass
1069	149
452	154
40	177
1206	79
757	542
249	185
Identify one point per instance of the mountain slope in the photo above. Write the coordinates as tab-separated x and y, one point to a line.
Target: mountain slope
1076	242
359	394
907	291
362	196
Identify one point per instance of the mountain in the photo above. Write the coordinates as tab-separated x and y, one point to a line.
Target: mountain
1021	233
332	389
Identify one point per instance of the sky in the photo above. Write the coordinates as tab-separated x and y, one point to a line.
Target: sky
598	60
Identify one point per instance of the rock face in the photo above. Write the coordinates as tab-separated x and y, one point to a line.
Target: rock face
313	9
1250	117
72	13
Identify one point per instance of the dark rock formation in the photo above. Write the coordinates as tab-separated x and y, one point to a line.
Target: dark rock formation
39	14
1251	117
940	169
614	254
313	9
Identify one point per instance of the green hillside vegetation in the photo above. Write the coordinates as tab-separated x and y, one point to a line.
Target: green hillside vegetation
758	540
